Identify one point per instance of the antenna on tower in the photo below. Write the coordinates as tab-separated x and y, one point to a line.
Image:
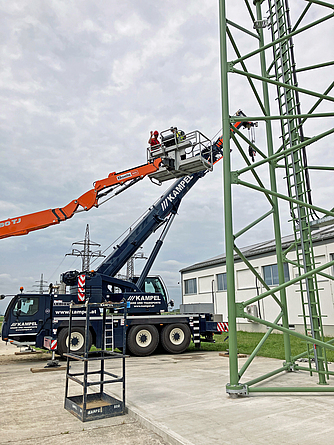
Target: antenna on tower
86	253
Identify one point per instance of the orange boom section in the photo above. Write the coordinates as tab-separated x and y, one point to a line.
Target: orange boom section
22	225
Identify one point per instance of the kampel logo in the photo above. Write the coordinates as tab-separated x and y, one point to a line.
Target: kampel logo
173	194
144	298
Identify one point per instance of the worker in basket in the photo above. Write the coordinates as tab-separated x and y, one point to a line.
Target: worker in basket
178	134
153	141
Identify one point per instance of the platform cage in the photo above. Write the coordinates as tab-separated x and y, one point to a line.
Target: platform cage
98	404
181	154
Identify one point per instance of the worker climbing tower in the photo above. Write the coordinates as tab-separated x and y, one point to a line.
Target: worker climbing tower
270	70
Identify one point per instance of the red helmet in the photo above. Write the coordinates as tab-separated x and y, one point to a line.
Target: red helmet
156	133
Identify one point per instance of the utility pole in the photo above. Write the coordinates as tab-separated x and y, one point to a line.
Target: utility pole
130	265
86	253
41	284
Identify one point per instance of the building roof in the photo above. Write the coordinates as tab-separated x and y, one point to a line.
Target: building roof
264	247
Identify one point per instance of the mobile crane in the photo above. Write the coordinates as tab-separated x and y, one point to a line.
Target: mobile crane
42	320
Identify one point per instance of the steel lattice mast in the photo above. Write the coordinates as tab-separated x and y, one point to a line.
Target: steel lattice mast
86	253
277	66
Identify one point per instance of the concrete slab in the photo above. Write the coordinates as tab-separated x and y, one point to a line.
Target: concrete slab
171	399
187	395
32	410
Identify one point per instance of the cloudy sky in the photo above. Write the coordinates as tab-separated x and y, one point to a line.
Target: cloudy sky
82	84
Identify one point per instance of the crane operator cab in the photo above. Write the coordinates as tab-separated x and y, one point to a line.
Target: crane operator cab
182	154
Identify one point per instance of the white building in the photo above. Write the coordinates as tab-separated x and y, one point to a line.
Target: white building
205	282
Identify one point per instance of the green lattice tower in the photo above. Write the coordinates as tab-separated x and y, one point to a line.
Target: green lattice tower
281	72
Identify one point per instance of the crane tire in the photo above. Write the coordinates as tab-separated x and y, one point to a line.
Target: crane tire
175	338
77	340
142	340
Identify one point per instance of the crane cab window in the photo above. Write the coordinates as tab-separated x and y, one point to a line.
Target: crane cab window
153	284
26	306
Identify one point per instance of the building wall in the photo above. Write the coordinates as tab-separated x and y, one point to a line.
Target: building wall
247	286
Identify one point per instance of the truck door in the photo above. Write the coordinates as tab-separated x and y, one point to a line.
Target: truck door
27	317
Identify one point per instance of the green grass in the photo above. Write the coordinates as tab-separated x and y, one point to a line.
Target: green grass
247	341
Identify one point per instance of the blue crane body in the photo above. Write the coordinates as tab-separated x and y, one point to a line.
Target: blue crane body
42	319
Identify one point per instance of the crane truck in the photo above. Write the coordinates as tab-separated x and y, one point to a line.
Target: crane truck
42	319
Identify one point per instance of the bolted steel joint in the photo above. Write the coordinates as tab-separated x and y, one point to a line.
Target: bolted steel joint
237	390
234	177
230	67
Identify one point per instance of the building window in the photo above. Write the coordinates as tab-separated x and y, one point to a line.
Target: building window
221	281
270	274
204	284
190	286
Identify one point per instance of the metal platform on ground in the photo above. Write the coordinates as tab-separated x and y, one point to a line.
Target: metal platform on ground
97	406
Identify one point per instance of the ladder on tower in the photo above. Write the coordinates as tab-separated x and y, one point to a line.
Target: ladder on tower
297	181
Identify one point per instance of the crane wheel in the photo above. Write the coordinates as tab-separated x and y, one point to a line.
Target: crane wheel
175	338
143	340
77	340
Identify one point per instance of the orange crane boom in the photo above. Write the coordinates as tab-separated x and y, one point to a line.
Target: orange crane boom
22	225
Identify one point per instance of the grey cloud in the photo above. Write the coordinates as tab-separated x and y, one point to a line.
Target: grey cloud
82	84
